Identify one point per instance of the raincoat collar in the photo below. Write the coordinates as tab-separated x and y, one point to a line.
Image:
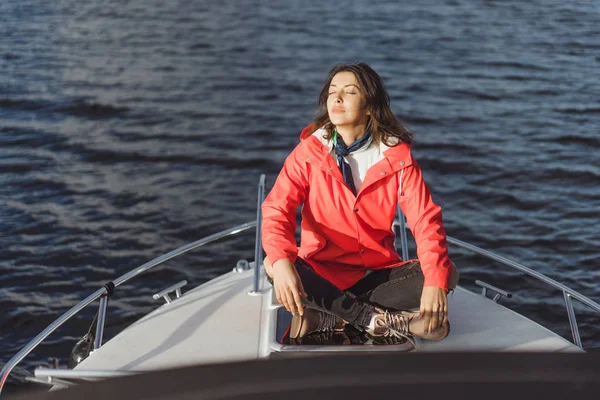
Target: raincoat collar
392	159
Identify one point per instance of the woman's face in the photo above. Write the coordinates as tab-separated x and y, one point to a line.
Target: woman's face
346	102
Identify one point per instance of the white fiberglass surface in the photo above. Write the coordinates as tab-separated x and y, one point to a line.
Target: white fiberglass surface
220	322
216	322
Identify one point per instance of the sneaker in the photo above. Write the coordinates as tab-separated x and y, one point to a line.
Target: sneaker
403	324
384	340
334	338
314	321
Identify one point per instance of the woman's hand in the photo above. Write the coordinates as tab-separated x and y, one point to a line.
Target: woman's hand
288	286
434	308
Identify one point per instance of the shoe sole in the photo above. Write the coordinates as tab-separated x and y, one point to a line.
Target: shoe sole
296	326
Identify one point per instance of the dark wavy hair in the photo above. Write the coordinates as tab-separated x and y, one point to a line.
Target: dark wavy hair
382	123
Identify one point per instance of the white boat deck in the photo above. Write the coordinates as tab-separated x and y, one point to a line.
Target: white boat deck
220	322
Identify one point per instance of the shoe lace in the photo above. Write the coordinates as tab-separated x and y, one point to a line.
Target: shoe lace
396	325
326	322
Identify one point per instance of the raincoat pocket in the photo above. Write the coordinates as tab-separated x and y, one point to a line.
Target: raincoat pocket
309	250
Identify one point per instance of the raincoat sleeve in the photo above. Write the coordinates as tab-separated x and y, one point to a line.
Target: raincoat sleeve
279	209
424	219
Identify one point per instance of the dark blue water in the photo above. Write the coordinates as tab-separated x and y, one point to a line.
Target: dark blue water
129	128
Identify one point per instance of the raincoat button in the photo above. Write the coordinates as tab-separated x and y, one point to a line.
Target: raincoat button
401	162
309	158
356	209
382	172
329	169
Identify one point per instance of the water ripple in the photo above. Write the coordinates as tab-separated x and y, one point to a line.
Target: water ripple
131	128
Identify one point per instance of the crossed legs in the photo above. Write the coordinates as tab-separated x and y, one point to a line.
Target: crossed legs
387	289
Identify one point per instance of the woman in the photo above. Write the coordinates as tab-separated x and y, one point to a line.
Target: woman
351	168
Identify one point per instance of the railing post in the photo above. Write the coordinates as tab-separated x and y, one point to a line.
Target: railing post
572	320
8	367
44	334
403	239
258	260
100	322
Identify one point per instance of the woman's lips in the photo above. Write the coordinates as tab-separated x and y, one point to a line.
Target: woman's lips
337	110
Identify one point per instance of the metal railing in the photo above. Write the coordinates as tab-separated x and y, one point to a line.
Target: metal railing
568	293
258	251
101	293
402	226
105	291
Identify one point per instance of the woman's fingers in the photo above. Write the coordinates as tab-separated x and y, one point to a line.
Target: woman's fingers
426	316
283	299
298	301
288	286
289	301
296	290
290	297
434	308
431	320
292	301
435	320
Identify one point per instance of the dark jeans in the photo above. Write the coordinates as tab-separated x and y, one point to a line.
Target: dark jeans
397	288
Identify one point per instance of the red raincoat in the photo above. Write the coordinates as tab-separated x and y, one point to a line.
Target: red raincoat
342	235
